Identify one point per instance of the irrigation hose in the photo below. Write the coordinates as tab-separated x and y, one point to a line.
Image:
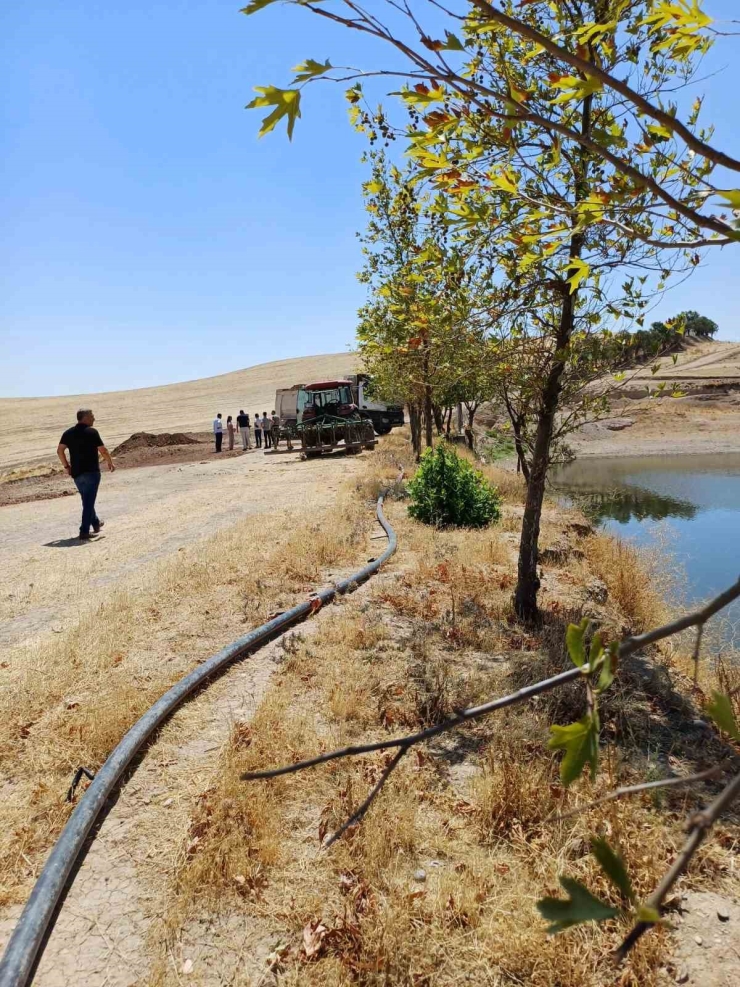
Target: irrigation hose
27	943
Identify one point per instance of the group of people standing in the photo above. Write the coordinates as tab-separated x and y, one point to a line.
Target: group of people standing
266	429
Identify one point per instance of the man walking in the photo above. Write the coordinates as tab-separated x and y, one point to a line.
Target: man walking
242	425
218	431
84	443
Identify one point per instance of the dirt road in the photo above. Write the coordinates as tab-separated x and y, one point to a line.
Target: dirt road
49	577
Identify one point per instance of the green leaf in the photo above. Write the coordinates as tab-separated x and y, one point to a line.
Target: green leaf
721	711
608	668
613	866
452	43
581	906
579	740
254	5
574	642
287	103
733	197
310	69
596	650
647	914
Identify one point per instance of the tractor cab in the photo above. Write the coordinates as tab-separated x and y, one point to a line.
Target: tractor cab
326	398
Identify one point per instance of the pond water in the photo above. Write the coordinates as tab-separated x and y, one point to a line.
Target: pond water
688	503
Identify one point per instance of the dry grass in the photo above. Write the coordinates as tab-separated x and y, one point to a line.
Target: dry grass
70	698
635	586
475	811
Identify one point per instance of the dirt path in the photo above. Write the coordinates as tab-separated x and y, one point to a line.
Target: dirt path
49	577
104	934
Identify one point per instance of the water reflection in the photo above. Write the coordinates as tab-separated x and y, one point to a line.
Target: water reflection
692	501
626	504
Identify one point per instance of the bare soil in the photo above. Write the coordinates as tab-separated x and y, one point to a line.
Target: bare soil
30	427
150	511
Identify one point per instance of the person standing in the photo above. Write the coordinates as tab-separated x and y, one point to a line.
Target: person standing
242	425
258	430
230	430
84	445
275	430
266	426
218	431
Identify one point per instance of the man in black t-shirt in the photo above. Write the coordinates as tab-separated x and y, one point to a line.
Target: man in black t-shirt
84	443
243	426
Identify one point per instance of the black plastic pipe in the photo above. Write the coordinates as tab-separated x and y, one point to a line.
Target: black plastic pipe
25	946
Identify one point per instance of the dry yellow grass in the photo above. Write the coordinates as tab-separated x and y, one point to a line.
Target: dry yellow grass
70	698
30	427
474	811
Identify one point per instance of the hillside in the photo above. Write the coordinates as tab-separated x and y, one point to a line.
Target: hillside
30	427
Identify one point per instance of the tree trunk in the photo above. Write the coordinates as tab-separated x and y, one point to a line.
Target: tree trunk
525	595
439	418
415	423
448	426
428	416
469	434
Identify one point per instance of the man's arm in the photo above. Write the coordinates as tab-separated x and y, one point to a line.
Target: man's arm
106	456
62	453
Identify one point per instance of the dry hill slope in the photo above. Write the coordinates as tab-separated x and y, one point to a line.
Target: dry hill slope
30	427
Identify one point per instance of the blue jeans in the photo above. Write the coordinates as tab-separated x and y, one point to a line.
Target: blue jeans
87	484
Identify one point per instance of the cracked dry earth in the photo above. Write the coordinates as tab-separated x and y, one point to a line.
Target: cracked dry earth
106	933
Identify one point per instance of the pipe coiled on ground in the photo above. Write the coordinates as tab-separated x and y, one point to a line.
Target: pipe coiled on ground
26	945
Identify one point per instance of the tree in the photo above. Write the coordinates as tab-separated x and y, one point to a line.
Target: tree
416	333
694	324
568	177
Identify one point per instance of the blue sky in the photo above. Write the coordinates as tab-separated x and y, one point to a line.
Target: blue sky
148	236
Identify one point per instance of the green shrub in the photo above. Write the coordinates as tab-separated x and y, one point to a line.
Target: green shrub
448	490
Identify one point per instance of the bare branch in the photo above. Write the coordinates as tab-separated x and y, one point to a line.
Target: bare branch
357	816
646	786
698	826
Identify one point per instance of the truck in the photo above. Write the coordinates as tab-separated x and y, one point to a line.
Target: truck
383	416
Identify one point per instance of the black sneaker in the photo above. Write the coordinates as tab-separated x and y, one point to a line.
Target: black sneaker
98	526
86	537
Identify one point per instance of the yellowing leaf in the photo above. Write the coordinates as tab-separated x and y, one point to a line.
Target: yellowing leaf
287	103
580	270
310	69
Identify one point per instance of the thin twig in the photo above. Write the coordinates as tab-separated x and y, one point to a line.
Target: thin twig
697	650
646	786
697	619
698	826
462	716
357	816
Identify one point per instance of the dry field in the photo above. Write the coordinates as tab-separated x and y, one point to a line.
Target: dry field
200	878
30	427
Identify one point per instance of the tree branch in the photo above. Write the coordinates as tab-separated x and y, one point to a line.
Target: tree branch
591	68
698	826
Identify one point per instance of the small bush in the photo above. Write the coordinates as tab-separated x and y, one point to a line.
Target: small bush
448	490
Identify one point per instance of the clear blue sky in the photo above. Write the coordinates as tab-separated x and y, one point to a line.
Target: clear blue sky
148	236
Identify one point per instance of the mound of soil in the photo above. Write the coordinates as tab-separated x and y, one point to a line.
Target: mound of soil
146	440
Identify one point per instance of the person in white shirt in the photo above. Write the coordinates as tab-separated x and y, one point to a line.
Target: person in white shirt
266	430
218	431
257	430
